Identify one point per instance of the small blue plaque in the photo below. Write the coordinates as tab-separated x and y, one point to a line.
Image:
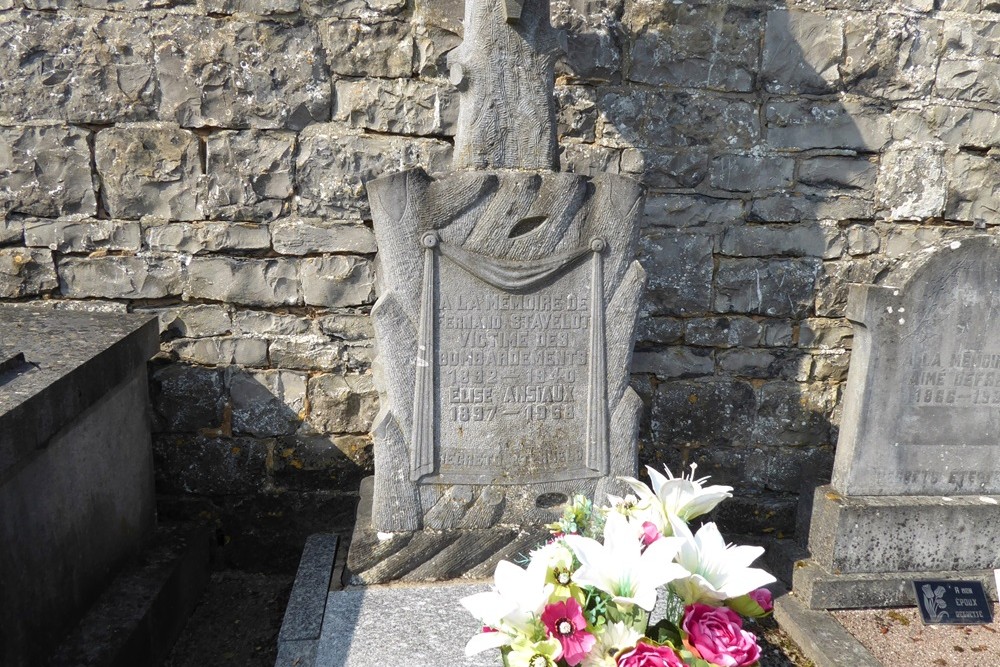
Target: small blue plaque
953	602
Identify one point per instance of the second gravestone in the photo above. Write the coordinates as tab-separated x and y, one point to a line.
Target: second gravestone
504	325
915	485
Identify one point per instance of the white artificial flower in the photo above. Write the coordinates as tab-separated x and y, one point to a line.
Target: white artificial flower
620	566
518	598
716	572
616	636
683	497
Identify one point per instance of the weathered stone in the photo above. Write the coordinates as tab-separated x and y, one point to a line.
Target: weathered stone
192	321
221	351
752	173
397	106
45	171
26	272
83	236
978	128
381	49
266	323
592	49
344	326
862	240
703	414
202	237
670	169
784	469
674	362
683	119
765	287
576	112
337	281
807	124
838	173
825	334
830	366
655	331
715	47
89	68
365	9
973	188
723	332
778	333
256	7
968	80
589	159
834	278
307	353
307	462
822	240
110	277
149	170
433	43
211	466
253	282
309	236
222	73
892	57
799	207
334	164
691	211
249	175
11	231
768	364
342	404
803	52
912	183
790	413
188	398
680	271
266	403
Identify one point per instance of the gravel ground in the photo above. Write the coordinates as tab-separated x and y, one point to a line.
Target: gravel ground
898	637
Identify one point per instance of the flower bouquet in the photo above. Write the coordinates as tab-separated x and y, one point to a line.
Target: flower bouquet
586	597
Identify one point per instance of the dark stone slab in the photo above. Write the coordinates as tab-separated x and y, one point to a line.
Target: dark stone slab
142	613
304	613
76	359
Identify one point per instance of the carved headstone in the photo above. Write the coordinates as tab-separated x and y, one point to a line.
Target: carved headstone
507	307
918	459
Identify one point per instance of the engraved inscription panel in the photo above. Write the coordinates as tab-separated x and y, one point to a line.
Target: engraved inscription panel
511	395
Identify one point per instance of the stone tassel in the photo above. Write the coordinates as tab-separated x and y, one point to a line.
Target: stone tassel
422	451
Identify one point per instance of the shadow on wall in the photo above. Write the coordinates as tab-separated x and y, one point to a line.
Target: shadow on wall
268	478
760	211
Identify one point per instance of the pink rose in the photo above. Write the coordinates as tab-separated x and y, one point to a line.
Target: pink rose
762	596
716	634
648	655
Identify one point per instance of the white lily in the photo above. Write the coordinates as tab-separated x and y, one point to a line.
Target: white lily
517	600
683	497
715	571
616	636
620	566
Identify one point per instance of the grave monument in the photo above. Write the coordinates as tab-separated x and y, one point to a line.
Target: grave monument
916	480
507	307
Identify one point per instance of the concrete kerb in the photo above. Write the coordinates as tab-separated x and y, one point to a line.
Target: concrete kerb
820	636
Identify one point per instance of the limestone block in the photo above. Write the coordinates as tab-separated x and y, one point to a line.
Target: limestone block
735	331
674	362
249	175
862	240
814	124
838	174
364	9
593	44
678	210
836	276
912	183
766	287
784	469
342	404
89	68
803	52
11	231
381	49
978	128
198	321
345	326
671	168
765	364
149	170
576	112
83	236
397	106
892	57
26	272
252	282
211	466
825	334
148	276
306	236
653	331
589	159
334	164
337	281
265	323
968	80
202	237
433	43
309	462
256	7
680	271
188	398
266	403
822	240
803	206
710	414
685	45
45	171
307	353
240	73
751	172
221	351
973	188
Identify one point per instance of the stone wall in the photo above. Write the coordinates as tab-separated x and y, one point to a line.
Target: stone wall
205	160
